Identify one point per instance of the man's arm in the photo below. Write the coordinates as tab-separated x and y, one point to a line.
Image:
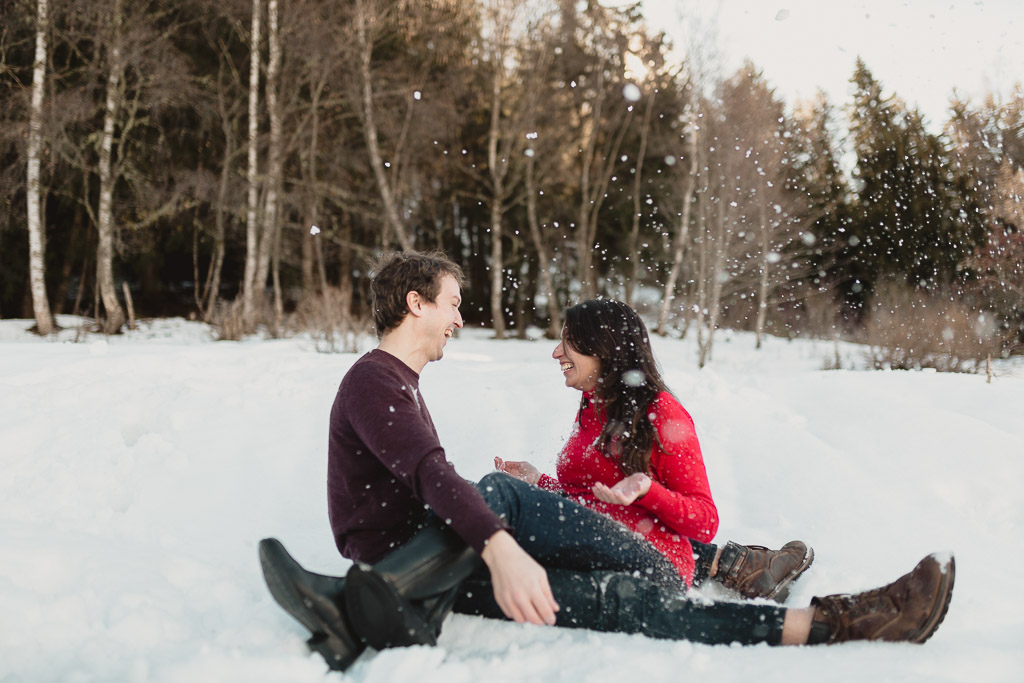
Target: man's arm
388	420
391	426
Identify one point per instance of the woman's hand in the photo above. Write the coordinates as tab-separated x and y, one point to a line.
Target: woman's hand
626	492
520	469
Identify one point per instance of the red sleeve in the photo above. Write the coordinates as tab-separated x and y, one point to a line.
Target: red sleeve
680	495
549	483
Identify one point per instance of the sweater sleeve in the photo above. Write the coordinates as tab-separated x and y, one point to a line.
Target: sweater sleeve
549	483
392	425
680	495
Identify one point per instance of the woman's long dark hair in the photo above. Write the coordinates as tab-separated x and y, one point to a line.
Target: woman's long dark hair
629	380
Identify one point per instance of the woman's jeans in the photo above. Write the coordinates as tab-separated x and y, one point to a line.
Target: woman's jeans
607	578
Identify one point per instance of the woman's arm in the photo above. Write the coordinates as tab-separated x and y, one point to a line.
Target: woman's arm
520	469
679	494
626	491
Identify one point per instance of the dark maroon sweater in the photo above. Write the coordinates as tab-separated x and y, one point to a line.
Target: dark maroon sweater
386	468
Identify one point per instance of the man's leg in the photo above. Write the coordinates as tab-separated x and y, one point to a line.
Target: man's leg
316	601
623	603
384	602
909	609
403	598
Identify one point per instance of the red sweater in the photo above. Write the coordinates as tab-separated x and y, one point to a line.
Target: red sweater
677	508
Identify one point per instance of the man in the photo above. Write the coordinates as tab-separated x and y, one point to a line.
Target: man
425	541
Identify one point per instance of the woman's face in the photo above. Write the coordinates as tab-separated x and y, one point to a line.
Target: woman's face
581	372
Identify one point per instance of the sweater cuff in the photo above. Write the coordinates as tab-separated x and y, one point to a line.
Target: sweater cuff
655	498
549	483
476	532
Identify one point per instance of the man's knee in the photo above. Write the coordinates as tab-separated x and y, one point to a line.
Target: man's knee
602	601
495	483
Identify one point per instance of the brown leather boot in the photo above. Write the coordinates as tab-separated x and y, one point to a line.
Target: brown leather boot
754	571
909	609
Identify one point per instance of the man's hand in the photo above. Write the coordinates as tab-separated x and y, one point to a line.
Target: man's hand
520	583
626	492
520	469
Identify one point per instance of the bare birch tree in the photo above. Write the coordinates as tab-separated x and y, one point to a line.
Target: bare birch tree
717	275
500	143
229	112
536	103
756	127
250	282
312	247
114	318
540	246
682	231
393	225
270	231
36	229
598	154
633	251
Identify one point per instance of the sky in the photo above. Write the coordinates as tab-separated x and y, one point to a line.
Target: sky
921	50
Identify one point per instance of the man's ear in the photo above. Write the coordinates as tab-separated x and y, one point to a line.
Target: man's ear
414	302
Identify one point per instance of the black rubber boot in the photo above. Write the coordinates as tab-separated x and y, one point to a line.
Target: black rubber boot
403	599
315	601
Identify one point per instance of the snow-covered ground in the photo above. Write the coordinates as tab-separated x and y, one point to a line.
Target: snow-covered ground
138	474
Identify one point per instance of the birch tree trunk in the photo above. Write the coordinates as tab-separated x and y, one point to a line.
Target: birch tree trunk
212	292
701	295
498	168
269	240
36	229
543	273
392	219
717	276
497	271
312	250
762	288
588	144
114	314
682	235
207	303
252	232
634	235
594	186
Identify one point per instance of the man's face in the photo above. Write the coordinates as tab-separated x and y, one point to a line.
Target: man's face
442	317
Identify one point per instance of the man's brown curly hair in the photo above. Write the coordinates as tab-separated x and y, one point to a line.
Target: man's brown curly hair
397	274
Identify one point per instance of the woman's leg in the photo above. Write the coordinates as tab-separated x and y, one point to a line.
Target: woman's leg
705	561
561	534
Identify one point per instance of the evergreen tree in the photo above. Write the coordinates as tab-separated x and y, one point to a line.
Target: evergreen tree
915	216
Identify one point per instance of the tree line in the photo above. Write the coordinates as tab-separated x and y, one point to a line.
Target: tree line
238	161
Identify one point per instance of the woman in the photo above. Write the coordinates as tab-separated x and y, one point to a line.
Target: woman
634	455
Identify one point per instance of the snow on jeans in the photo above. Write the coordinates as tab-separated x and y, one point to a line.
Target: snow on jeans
605	577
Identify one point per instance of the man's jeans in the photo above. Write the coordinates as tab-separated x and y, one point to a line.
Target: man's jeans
605	577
